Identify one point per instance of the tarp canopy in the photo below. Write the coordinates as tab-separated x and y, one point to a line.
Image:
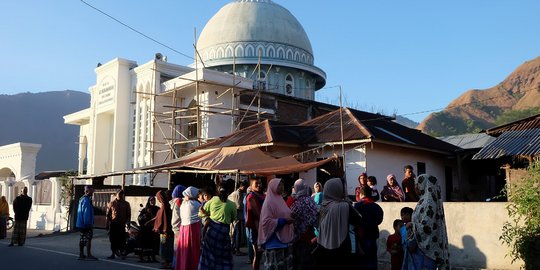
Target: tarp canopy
246	161
241	159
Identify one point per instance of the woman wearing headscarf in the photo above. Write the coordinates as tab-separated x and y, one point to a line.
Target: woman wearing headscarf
392	192
149	239
162	225
427	241
305	214
189	244
333	244
276	231
317	193
176	202
4	215
216	248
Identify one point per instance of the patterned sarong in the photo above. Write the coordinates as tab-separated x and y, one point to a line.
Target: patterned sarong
216	250
278	259
86	235
19	232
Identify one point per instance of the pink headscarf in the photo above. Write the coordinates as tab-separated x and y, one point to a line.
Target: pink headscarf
274	207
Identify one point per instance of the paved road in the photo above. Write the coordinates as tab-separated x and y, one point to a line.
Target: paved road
60	251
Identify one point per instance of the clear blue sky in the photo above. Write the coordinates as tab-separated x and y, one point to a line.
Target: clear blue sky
392	56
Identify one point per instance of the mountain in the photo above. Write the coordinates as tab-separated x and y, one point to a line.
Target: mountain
405	121
516	97
38	118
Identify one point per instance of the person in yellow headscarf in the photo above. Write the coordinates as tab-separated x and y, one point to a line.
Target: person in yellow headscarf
4	215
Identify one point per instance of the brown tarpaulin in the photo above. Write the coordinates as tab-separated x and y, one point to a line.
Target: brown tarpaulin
245	160
242	159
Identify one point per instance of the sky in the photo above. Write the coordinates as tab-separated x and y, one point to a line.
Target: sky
407	58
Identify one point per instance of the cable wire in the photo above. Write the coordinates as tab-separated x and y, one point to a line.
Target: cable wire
137	31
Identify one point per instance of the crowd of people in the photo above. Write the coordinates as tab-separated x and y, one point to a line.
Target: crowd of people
317	227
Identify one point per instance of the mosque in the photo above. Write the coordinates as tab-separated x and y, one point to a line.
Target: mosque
254	61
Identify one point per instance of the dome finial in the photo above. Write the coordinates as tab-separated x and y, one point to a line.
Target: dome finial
260	1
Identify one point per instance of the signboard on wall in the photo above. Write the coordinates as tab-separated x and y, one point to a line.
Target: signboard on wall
106	92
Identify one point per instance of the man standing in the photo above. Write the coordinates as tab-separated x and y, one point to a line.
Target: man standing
85	223
21	207
238	225
118	218
367	233
254	202
408	184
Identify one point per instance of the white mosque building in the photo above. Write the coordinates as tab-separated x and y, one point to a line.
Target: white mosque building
255	62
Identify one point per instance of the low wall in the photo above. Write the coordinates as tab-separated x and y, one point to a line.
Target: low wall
473	234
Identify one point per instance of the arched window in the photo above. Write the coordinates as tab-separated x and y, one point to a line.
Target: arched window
289	83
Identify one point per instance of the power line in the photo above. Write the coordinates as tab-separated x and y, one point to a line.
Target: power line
137	31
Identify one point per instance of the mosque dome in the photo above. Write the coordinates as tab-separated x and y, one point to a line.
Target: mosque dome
244	30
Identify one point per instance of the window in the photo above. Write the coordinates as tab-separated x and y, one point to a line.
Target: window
192	125
421	168
289	84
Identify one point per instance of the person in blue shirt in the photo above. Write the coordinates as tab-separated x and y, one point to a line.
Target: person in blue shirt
85	223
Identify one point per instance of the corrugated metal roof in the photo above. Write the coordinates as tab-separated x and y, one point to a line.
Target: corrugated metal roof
265	132
523	124
512	143
469	141
357	125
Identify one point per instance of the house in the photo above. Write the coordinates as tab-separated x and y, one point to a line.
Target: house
516	146
480	180
369	142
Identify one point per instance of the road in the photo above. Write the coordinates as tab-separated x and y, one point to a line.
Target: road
60	251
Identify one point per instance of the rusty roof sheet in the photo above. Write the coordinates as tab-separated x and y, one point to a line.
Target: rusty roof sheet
264	132
326	128
512	143
523	124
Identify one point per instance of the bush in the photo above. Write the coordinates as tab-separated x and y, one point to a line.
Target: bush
522	232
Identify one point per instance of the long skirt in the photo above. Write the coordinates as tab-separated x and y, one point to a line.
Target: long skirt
3	227
216	250
339	258
189	247
166	247
19	232
302	258
278	259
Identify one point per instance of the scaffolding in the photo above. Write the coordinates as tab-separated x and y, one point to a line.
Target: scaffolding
181	126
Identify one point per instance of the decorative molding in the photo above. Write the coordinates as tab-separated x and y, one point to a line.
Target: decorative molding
251	50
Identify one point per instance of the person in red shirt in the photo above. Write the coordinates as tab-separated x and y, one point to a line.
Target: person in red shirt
394	247
254	202
408	184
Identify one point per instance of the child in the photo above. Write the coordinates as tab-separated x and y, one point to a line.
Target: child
372	183
412	258
393	246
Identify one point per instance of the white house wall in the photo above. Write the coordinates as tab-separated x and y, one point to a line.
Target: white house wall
382	160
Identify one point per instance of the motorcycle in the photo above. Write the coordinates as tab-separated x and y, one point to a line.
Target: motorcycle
133	239
9	223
